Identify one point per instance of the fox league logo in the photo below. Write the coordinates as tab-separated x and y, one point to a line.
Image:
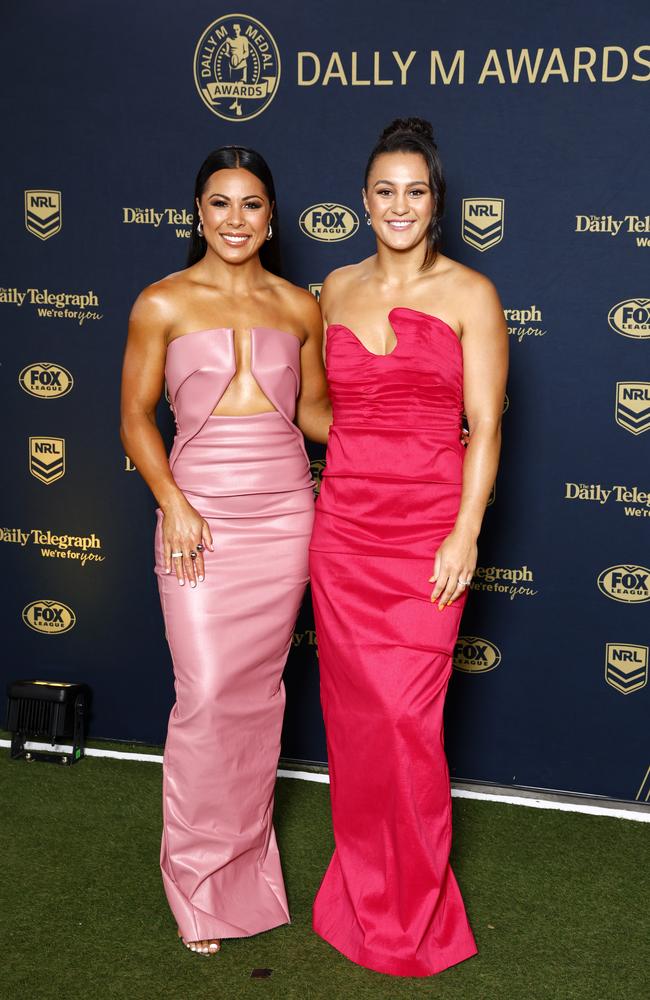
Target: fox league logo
626	583
43	216
49	617
45	380
483	221
236	67
474	655
329	222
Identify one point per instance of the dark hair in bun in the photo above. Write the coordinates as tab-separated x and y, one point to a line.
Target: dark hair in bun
415	135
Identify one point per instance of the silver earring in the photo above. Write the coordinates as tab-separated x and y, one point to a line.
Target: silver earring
270	232
368	222
199	228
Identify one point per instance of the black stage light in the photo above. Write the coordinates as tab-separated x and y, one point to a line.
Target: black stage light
52	710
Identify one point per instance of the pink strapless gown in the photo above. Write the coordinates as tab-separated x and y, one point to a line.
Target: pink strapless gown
390	494
229	637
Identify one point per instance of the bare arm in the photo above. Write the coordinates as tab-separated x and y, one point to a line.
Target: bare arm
314	411
142	385
485	361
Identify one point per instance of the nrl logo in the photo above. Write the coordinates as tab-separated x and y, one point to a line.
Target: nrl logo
43	216
626	667
633	406
47	458
483	222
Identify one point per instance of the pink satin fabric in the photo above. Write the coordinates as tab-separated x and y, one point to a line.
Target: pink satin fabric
230	636
390	494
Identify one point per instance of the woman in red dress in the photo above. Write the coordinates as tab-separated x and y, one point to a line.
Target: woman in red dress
413	338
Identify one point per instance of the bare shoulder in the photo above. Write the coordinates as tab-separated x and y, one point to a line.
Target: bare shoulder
338	282
301	305
160	302
468	283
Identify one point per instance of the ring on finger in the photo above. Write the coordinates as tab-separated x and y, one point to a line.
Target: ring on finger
193	554
200	547
177	555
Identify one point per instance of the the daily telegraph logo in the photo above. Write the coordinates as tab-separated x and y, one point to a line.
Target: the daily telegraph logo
49	617
329	222
626	666
628	584
47	458
236	67
483	220
46	380
43	214
474	655
633	406
631	318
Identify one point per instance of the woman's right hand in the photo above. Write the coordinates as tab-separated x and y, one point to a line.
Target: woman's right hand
184	530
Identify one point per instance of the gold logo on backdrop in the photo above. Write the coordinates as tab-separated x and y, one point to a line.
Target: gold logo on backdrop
46	380
315	290
43	215
628	584
236	67
317	465
50	617
483	222
329	222
631	318
47	458
626	667
473	655
633	406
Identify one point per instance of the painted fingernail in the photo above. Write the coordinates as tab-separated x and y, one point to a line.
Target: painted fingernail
181	583
192	583
201	579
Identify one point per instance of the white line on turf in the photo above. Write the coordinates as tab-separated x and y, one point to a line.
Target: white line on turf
458	793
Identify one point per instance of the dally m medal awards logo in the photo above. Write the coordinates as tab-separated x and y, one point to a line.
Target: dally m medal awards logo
631	318
43	215
236	67
633	406
47	458
483	222
626	666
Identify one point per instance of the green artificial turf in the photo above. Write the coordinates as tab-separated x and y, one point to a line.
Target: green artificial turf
558	901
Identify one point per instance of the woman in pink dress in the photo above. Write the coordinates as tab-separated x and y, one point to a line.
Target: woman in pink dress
240	349
413	338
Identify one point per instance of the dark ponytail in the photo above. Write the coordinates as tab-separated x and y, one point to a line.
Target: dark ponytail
415	135
232	158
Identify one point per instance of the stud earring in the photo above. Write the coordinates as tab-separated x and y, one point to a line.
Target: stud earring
270	232
199	228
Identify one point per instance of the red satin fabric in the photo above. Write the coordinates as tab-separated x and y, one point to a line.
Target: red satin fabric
390	494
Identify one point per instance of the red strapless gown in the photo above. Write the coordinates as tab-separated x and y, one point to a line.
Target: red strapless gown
390	494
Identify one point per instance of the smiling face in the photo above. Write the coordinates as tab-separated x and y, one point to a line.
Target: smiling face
399	199
235	211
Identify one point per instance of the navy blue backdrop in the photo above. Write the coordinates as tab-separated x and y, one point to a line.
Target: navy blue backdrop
541	117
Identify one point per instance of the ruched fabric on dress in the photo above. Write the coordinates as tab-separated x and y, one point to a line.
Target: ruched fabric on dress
390	494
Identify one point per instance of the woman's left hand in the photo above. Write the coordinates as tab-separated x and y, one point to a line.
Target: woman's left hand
453	568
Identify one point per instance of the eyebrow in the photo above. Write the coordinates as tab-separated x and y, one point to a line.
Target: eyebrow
247	197
410	184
